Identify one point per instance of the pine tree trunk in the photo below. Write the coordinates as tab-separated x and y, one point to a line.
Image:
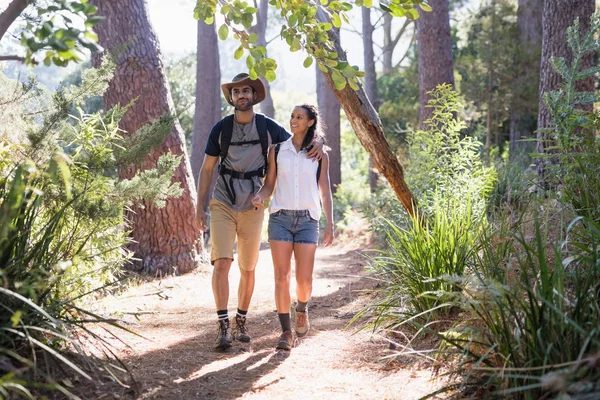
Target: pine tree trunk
435	52
208	95
166	240
266	106
367	127
370	79
558	15
388	48
524	104
329	110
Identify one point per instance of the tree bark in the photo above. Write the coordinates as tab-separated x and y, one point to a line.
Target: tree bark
329	108
208	96
557	16
11	13
166	240
370	79
260	29
524	104
367	127
388	49
434	45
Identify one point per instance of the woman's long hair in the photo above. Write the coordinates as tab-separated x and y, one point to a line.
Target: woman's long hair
315	130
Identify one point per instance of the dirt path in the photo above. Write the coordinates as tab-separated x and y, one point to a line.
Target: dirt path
177	360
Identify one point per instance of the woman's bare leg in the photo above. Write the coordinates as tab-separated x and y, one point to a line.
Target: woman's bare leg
281	252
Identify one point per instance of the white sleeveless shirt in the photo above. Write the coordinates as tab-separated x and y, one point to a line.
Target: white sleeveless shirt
296	187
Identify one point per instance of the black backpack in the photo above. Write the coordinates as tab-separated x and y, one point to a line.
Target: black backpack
278	146
263	125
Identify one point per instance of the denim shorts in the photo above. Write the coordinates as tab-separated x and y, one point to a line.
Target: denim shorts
295	226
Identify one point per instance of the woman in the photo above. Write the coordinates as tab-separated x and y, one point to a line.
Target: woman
294	216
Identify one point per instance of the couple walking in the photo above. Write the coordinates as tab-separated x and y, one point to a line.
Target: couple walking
257	156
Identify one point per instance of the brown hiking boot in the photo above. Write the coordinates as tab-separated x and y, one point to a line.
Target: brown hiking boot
286	341
224	339
302	324
240	332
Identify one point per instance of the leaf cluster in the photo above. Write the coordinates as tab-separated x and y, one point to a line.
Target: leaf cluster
62	30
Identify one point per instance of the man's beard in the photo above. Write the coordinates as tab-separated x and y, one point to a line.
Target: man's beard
249	104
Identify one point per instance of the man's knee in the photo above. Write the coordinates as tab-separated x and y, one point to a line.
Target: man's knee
222	265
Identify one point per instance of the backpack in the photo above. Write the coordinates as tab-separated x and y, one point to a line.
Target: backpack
263	124
277	147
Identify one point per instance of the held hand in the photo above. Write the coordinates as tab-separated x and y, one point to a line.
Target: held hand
328	237
257	201
201	220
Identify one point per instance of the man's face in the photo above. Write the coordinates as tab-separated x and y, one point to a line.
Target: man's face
243	97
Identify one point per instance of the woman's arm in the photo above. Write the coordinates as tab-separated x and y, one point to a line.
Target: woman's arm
326	200
269	184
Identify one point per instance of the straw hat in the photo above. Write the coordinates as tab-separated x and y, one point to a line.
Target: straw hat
244	78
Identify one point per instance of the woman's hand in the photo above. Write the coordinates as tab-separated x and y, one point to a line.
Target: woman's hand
328	237
257	201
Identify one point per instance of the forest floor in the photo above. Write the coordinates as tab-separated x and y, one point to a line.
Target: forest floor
172	355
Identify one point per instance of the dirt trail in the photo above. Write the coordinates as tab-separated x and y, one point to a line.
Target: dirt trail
178	361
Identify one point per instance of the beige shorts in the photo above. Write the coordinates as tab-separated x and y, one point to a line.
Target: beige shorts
226	224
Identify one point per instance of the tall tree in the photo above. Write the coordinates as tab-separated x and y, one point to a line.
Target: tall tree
329	108
370	78
208	94
434	44
260	29
164	239
524	103
390	41
557	16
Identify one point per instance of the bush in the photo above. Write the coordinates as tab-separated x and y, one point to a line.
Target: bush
61	219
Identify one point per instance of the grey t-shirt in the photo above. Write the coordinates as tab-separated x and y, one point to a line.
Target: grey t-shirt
244	158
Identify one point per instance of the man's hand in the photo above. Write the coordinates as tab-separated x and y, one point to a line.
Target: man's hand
201	220
316	150
328	237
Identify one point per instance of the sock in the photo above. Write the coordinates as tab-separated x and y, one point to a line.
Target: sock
286	324
222	314
242	313
301	306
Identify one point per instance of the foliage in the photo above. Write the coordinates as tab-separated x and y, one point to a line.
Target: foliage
61	219
573	127
444	164
181	74
530	326
423	260
399	95
304	29
61	30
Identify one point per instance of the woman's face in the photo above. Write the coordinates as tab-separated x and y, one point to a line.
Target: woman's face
299	121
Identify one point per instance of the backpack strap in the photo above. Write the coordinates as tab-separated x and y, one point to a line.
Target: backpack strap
319	171
226	134
261	127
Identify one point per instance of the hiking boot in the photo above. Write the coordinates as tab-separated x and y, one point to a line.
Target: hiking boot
302	324
224	339
286	341
240	332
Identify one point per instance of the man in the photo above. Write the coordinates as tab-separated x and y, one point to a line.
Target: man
241	141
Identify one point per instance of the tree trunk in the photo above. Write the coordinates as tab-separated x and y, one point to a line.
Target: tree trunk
388	49
490	86
435	53
524	104
368	129
165	240
558	15
370	79
208	96
329	109
266	106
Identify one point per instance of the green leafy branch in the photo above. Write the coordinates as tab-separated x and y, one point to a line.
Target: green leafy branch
63	29
304	29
